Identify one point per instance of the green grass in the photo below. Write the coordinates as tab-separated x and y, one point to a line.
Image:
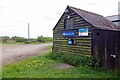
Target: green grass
40	42
44	67
0	72
12	42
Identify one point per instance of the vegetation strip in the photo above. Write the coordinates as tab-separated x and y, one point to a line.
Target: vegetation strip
43	67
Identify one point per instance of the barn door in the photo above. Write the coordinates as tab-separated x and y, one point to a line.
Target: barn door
104	47
111	49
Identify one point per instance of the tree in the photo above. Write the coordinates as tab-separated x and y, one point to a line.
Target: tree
48	39
41	39
5	38
19	39
14	38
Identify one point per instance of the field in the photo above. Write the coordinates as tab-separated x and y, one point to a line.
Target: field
44	67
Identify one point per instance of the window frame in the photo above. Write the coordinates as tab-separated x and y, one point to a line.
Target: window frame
68	23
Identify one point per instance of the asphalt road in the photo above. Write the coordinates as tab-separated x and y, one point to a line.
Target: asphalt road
18	52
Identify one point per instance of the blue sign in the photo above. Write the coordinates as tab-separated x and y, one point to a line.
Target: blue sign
83	32
69	42
68	33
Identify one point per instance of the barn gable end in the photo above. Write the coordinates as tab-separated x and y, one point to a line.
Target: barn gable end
60	43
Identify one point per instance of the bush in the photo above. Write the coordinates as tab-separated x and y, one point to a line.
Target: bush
44	39
48	39
20	39
75	60
41	39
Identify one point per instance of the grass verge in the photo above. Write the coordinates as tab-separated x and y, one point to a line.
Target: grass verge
75	60
43	67
23	43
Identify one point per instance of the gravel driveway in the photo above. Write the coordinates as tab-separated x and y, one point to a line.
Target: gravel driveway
17	52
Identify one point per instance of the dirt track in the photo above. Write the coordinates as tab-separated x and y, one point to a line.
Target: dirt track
20	51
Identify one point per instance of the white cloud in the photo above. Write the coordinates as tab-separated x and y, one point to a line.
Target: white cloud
44	14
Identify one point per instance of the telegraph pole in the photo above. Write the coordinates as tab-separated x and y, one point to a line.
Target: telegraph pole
28	32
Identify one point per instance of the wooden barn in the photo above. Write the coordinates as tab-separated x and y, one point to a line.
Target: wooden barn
85	33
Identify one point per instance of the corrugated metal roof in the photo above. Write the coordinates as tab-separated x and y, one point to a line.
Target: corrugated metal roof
95	19
113	17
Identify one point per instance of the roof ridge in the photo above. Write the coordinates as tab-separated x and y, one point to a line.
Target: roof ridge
85	11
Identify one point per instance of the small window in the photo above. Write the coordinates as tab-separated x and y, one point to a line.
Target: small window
68	24
97	34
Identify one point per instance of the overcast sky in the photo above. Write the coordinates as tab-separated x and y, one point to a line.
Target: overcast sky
42	15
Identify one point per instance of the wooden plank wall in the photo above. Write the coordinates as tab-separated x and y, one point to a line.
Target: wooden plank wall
104	45
83	44
118	51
